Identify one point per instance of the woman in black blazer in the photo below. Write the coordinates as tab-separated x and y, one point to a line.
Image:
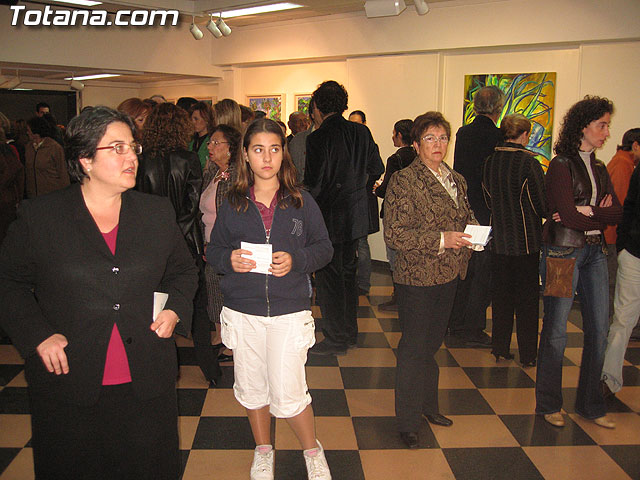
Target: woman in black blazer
78	272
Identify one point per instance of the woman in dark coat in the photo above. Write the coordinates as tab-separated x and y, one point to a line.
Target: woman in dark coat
513	184
168	169
79	272
219	174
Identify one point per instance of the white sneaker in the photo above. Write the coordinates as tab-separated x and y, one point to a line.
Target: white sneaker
317	467
262	466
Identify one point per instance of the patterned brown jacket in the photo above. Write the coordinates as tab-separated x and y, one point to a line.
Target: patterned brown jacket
417	209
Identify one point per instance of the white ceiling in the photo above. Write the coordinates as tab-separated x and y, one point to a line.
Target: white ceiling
187	8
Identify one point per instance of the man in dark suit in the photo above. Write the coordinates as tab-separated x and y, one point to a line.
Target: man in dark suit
474	143
341	156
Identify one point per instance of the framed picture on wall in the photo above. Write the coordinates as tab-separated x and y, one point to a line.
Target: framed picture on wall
530	94
272	105
302	102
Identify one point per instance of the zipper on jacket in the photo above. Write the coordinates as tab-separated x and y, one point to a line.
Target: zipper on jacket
267	237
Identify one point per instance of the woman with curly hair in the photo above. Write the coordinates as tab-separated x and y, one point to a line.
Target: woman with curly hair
168	169
580	193
204	120
138	110
218	176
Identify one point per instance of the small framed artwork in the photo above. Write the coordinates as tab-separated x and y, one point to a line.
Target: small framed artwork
208	100
272	105
302	102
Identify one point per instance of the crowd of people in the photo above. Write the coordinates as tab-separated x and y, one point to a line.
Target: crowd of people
155	218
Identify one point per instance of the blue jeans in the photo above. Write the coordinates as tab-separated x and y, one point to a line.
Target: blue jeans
590	280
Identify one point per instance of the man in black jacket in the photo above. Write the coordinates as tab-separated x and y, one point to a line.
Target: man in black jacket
474	143
341	156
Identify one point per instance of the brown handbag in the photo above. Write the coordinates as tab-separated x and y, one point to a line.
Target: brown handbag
559	278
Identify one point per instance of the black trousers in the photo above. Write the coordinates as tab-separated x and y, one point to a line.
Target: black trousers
118	438
515	291
206	356
338	295
424	314
469	313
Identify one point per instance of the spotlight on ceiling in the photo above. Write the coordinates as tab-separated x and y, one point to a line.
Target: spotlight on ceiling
213	28
195	31
223	27
384	8
422	7
76	85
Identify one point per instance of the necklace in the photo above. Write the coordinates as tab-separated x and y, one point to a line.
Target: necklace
221	175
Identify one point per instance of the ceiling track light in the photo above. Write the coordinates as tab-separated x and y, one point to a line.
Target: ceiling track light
384	8
223	27
422	7
75	84
195	31
213	28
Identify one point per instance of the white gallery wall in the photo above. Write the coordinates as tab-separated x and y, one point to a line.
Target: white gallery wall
393	68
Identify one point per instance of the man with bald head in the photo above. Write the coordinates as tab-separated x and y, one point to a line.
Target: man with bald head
298	122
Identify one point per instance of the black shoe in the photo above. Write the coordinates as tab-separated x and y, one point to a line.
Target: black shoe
438	419
223	357
410	439
479	340
530	363
326	347
506	356
390	306
455	341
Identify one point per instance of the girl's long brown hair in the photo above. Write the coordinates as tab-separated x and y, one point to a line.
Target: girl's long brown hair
245	179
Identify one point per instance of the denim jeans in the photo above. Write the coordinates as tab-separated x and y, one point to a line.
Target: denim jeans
590	280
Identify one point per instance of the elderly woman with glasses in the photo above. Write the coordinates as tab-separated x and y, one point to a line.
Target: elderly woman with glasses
80	269
168	169
426	212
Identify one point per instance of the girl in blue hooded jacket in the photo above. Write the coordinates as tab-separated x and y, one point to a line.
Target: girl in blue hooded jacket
266	319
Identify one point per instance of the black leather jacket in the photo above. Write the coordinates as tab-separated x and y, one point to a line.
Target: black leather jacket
556	233
177	175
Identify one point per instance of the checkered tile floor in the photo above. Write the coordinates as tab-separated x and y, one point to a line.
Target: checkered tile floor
495	434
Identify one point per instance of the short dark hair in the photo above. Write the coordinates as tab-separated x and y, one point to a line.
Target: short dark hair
330	97
42	105
403	127
40	126
629	138
581	114
186	103
85	132
488	101
361	113
423	122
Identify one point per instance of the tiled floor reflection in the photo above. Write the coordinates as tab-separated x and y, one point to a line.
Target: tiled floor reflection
495	433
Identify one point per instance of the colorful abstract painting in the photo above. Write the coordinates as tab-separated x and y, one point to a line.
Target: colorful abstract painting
270	104
302	103
530	94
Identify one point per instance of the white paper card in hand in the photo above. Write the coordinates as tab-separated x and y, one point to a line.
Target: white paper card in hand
261	253
479	234
159	301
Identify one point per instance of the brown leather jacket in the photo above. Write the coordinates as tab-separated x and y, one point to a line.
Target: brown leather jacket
417	209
